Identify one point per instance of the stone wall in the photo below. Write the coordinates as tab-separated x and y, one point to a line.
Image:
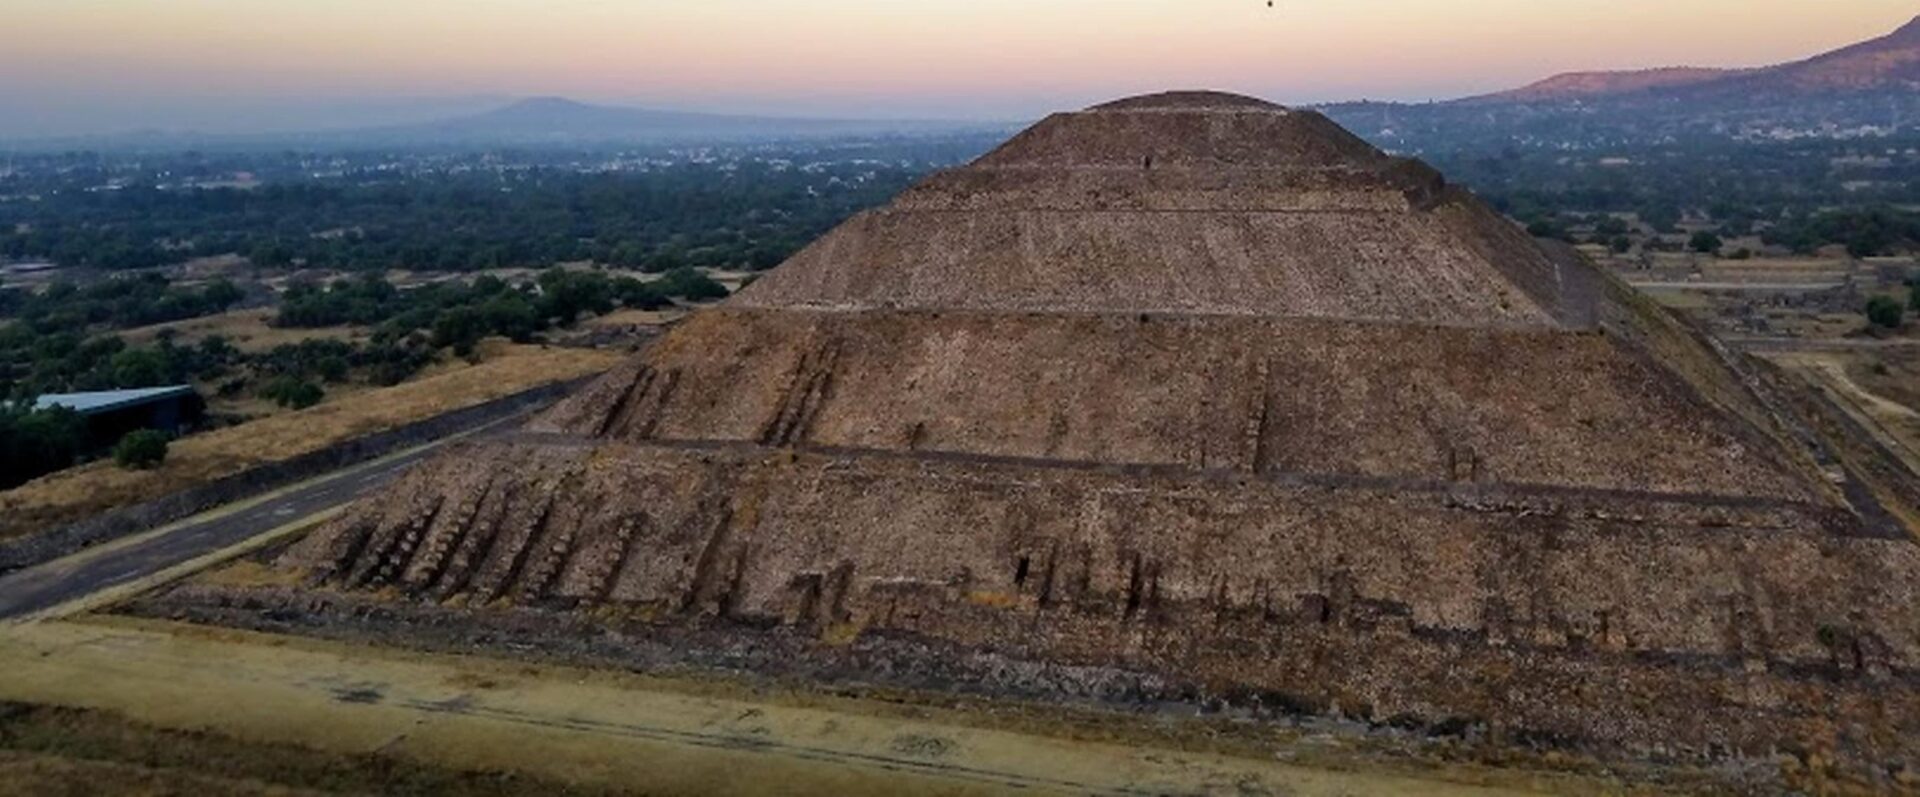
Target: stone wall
1620	620
1253	395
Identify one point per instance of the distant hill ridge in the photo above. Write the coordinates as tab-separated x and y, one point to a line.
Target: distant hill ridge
558	119
1888	62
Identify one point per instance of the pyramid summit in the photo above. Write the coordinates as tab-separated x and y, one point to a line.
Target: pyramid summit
1190	395
1191	203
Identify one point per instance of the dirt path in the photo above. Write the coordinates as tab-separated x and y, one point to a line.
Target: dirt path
1836	374
1736	286
1879	415
596	728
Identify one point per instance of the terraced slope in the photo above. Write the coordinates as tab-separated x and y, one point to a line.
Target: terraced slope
1194	397
1184	204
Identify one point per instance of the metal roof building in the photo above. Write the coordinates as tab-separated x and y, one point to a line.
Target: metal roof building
110	414
99	401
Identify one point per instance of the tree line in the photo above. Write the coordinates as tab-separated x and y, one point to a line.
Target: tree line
749	215
63	340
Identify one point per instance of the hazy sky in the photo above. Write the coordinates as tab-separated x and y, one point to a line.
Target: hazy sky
96	65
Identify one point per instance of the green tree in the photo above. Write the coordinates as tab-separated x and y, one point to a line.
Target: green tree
140	368
221	294
141	449
1885	312
270	255
564	294
332	368
1705	242
691	285
1661	218
462	328
509	313
293	392
639	295
34	443
1547	228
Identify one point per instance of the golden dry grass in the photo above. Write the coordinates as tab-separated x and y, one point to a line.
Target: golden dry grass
77	493
247	330
293	701
1893	372
48	750
1876	387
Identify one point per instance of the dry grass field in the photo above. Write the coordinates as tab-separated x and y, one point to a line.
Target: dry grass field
46	750
1879	386
76	493
1893	372
326	717
247	330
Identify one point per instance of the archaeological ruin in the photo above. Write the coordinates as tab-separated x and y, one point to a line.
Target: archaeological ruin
1193	397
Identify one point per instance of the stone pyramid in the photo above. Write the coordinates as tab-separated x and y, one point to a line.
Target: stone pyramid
1191	396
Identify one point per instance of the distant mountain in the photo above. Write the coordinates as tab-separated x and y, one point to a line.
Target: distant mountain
1587	85
1868	90
1891	62
557	120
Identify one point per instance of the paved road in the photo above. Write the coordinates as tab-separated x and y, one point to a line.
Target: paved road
1737	286
1760	343
62	580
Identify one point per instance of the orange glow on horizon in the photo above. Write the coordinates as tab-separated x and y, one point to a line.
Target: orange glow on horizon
981	57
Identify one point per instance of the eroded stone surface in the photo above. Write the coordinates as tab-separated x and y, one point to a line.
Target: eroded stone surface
1206	391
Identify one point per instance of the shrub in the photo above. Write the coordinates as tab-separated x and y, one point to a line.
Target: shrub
509	313
1884	311
141	449
462	328
34	443
293	392
1547	228
139	368
390	363
564	294
691	285
1705	243
639	295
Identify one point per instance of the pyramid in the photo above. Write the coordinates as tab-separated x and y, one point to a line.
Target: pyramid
1195	397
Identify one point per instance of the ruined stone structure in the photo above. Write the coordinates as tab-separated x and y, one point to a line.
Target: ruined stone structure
1200	388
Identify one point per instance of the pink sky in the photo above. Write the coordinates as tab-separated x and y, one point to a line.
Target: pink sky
103	63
